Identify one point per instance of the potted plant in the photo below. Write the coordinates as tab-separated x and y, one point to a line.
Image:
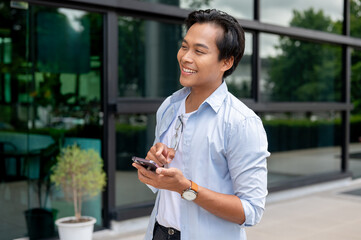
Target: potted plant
40	219
79	173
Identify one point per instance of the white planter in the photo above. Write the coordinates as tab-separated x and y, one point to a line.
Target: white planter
71	231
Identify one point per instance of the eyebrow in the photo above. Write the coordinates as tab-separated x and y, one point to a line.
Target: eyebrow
197	44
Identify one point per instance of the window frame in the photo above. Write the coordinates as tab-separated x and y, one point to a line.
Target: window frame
112	104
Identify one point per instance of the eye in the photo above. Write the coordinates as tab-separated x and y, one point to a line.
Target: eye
200	52
183	47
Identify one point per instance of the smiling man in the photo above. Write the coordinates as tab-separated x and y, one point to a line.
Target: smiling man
211	148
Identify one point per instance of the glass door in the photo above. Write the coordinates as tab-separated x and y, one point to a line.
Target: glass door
50	97
148	71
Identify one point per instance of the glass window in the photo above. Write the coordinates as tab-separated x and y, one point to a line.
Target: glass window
317	15
50	97
355	121
302	144
238	9
355	18
148	65
134	137
66	81
300	71
239	83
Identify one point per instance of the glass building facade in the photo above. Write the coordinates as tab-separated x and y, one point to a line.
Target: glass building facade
93	73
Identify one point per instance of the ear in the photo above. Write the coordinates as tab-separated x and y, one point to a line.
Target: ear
227	63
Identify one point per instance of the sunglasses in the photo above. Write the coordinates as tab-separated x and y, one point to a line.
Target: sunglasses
178	133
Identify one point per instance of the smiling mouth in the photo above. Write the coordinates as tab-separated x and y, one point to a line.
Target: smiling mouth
187	70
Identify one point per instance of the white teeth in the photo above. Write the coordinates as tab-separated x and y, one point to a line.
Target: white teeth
188	70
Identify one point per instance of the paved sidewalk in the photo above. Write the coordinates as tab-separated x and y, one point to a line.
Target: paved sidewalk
316	212
327	215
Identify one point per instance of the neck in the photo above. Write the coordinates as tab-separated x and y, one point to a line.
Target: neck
196	98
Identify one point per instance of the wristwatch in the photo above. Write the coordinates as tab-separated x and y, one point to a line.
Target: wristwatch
190	194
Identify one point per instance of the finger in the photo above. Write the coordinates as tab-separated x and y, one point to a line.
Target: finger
142	169
164	150
168	153
151	153
151	156
154	159
153	149
161	148
144	175
171	154
138	167
141	177
159	170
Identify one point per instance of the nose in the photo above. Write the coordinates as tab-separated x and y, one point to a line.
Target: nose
186	57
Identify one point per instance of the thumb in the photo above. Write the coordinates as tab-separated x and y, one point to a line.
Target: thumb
166	171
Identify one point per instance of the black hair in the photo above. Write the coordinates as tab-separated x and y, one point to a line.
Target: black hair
231	43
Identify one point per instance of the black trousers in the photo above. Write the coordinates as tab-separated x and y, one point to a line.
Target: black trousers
164	233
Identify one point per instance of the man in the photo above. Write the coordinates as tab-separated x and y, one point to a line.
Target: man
211	148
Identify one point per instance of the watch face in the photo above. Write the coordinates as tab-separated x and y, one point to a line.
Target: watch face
189	195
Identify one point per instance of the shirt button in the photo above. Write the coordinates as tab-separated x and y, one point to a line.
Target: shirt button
170	231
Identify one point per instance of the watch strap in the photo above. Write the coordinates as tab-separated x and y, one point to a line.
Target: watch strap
194	186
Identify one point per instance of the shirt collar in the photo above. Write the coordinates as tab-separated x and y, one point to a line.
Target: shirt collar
215	100
180	94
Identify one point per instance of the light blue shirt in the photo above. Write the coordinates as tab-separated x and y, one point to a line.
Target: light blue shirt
225	150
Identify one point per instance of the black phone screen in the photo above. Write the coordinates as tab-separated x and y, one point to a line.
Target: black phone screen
148	164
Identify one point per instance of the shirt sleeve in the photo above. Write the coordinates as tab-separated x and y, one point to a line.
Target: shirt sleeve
246	157
159	114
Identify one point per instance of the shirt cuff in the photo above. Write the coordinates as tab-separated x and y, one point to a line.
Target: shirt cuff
249	214
154	190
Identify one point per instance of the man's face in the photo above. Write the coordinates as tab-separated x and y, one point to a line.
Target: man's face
198	58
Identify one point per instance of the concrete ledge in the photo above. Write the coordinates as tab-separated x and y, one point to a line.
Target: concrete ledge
307	190
134	229
128	229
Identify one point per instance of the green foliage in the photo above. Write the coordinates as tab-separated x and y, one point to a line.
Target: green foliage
80	175
313	20
129	129
356	85
132	57
198	3
299	122
355	31
355	119
294	134
306	71
355	18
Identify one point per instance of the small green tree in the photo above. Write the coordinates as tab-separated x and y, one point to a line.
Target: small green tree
80	175
305	71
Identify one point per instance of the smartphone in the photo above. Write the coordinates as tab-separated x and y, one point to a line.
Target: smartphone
147	164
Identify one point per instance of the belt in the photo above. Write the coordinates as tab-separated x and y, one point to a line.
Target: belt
168	230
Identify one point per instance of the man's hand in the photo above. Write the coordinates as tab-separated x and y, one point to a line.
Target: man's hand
171	179
226	206
160	154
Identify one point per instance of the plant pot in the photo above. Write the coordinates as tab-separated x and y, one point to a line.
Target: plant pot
40	223
71	231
